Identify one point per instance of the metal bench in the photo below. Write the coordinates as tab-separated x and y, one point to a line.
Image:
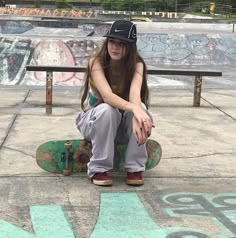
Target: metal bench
197	73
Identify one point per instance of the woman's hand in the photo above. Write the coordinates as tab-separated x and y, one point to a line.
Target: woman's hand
142	125
139	133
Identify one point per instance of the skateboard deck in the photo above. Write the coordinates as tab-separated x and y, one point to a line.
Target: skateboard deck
71	156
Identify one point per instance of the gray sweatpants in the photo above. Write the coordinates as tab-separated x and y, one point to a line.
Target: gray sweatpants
104	126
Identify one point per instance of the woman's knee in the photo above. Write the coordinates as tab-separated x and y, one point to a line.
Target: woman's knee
108	111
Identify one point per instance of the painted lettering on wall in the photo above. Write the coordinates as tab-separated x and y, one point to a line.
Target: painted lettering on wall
47	12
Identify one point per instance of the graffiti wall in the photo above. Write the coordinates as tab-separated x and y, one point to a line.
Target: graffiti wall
14	55
47	12
64	53
156	49
188	49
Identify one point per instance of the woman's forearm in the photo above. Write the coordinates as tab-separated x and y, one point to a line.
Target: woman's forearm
135	99
118	102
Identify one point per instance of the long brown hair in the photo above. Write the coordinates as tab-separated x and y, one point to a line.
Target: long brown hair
129	61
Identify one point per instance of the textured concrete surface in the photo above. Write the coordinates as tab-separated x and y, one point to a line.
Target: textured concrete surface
198	161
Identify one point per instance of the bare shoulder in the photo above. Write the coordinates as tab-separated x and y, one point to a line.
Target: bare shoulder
139	67
94	64
139	64
91	61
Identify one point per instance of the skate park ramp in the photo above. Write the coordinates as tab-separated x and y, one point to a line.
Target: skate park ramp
70	43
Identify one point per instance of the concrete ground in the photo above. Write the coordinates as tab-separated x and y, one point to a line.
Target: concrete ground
191	193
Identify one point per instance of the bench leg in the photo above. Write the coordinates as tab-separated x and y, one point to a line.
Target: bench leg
49	87
197	91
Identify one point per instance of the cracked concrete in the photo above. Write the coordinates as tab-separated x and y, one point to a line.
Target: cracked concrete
198	156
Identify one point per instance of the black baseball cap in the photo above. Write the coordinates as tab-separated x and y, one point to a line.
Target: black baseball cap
123	30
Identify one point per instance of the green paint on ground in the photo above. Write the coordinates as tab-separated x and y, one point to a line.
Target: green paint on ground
123	215
48	222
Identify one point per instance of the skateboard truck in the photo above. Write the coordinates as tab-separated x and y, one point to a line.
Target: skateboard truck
68	158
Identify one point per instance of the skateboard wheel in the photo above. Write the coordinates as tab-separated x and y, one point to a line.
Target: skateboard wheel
68	145
66	172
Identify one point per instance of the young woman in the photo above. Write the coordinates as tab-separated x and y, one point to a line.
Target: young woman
114	106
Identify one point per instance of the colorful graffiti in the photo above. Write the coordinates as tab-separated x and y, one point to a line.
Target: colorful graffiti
14	55
156	49
17	53
48	12
188	49
68	53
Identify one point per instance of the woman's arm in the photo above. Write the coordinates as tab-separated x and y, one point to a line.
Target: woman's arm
141	131
136	84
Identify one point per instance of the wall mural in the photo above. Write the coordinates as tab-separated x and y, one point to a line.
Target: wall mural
47	12
188	49
65	53
156	49
14	56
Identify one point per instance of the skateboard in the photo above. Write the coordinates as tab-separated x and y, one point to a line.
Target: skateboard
71	156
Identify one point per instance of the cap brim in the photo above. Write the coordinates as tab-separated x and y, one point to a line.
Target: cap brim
119	38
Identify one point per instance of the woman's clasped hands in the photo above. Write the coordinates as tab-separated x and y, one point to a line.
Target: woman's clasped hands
142	125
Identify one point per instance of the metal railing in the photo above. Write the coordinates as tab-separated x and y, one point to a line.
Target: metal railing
187	72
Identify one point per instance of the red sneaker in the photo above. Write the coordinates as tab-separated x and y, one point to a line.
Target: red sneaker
135	178
101	179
